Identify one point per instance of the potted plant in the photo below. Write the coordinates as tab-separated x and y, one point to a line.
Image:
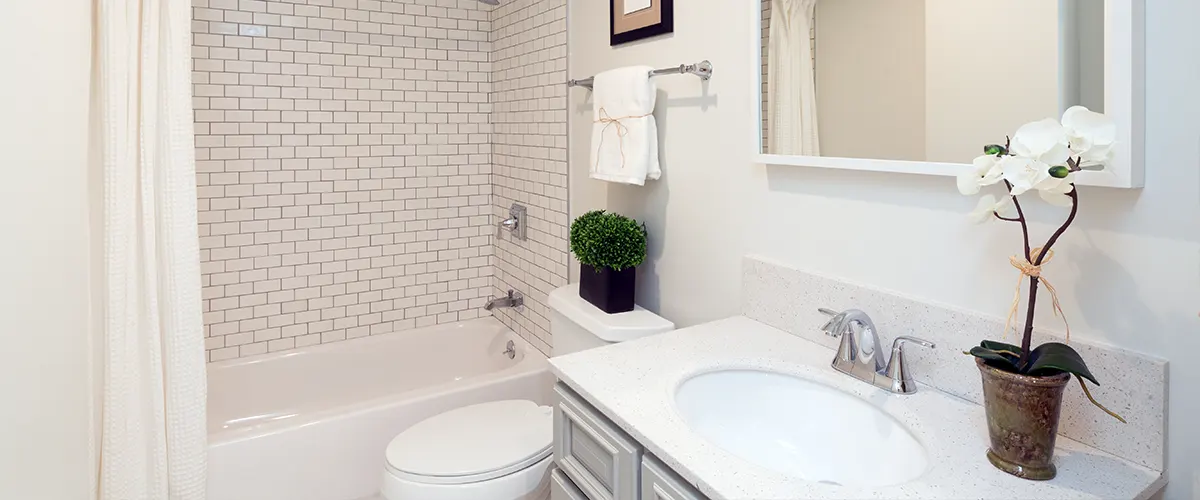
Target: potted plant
1023	385
609	248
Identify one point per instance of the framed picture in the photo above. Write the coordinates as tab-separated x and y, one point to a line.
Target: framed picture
631	20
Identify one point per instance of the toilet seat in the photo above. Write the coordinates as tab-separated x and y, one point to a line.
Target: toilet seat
473	444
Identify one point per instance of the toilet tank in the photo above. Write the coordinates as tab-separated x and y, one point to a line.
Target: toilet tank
576	325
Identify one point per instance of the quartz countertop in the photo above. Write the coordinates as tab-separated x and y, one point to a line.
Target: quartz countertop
634	383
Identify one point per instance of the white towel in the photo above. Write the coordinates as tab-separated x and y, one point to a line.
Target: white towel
624	133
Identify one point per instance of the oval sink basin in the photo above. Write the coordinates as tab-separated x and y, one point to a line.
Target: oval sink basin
800	428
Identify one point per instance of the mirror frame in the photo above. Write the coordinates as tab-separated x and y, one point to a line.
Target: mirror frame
1124	101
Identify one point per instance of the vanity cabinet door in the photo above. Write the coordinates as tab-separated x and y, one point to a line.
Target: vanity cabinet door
603	462
661	483
561	488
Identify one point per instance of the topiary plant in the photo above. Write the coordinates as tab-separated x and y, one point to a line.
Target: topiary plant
606	240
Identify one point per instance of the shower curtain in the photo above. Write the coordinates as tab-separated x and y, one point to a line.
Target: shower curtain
153	442
791	81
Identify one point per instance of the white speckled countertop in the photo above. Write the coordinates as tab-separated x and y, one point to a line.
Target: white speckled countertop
634	383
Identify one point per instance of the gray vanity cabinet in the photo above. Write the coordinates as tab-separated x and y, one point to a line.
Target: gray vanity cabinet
562	488
660	483
597	456
596	460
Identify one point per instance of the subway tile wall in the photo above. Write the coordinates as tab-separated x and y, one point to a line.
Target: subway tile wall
344	159
529	153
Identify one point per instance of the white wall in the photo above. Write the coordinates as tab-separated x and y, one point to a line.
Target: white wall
45	369
1129	273
694	213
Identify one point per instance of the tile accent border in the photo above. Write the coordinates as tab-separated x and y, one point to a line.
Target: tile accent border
787	298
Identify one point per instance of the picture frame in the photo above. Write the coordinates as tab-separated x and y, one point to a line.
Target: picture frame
658	18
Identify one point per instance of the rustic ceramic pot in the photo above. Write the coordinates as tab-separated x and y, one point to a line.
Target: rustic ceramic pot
1022	416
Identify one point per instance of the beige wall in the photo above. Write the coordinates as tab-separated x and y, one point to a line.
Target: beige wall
982	81
45	320
871	79
1128	273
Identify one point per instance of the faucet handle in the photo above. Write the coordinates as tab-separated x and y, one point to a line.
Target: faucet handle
897	370
898	344
834	326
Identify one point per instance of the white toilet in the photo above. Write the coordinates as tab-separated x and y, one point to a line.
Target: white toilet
502	450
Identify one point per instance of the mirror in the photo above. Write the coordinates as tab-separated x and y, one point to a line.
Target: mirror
922	80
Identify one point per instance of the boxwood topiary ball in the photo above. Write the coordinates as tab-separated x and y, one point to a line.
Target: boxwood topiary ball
601	239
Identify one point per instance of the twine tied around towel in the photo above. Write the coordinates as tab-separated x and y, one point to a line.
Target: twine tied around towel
622	131
1028	269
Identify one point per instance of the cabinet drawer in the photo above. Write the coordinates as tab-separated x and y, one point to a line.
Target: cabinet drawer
604	463
561	488
661	483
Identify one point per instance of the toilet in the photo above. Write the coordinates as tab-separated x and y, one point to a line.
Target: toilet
502	450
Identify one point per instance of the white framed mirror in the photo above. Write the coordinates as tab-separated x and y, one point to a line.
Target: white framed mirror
920	86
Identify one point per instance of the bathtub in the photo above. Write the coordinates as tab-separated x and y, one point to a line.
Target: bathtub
313	423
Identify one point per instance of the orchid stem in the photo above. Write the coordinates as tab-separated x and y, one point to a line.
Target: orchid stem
1027	335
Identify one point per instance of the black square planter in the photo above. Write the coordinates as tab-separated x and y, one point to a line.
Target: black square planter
611	291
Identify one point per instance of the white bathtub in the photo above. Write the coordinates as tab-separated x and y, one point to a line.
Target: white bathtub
313	423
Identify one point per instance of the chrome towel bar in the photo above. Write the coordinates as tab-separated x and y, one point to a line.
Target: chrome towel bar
702	69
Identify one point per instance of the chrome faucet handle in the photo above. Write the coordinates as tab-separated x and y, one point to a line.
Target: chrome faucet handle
515	223
897	370
836	324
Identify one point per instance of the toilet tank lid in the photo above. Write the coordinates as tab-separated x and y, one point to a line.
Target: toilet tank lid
621	327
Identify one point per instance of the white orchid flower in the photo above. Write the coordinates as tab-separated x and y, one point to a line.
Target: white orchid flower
984	171
1091	135
989	205
1055	190
1024	173
1044	141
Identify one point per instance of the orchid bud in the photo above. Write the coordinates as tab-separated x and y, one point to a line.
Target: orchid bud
1059	172
995	150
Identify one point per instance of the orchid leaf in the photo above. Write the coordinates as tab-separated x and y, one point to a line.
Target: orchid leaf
998	359
1000	346
1052	358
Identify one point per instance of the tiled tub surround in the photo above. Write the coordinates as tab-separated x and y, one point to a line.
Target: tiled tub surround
345	165
313	423
634	383
529	155
1134	384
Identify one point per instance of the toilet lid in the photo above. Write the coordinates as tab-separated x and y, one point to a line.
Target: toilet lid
473	443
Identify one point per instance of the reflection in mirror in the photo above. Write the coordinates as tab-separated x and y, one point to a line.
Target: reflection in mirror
922	80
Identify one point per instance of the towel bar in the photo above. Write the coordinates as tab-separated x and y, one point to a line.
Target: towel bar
702	69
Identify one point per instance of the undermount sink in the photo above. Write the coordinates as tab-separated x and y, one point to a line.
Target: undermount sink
800	428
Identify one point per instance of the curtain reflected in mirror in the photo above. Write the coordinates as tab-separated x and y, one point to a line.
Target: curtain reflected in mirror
922	80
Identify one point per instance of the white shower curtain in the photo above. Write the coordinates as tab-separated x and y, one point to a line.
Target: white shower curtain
153	442
791	82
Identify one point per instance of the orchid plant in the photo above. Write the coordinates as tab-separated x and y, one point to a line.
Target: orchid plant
1043	157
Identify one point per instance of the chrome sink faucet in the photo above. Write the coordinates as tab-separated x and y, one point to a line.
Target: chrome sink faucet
860	356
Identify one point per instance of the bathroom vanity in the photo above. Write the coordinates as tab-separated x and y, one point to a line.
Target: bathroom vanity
737	409
597	460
